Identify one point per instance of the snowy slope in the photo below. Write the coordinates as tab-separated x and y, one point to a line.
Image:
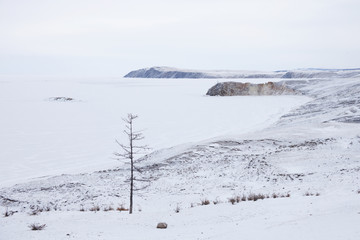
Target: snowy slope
311	150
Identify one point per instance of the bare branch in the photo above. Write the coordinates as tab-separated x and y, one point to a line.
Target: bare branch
142	180
141	147
137	137
137	169
123	147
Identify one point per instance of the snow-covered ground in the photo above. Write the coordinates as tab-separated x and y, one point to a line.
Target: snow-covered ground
217	148
296	218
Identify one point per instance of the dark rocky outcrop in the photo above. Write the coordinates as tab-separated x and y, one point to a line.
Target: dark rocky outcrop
247	89
61	99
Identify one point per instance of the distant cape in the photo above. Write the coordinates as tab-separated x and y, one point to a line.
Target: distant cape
169	72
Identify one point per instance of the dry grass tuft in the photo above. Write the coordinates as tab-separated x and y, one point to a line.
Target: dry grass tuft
109	208
121	208
255	197
94	209
8	213
205	202
312	194
37	227
177	209
232	200
216	201
34	212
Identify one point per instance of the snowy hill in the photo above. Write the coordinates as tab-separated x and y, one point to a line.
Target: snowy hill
306	165
167	72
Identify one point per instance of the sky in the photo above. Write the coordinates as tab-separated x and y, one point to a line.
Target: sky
113	37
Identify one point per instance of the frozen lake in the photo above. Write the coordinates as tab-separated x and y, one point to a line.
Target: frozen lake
39	137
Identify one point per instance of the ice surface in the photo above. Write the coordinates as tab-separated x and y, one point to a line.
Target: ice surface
40	137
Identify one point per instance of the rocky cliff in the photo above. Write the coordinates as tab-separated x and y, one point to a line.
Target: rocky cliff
247	89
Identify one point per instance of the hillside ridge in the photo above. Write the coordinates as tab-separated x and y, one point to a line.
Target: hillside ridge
170	72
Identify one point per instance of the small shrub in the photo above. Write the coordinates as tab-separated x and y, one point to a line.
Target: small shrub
94	209
287	195
47	209
274	195
205	202
82	209
317	194
37	227
192	205
358	191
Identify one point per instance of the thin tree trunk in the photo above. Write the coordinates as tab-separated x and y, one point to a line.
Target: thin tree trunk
131	187
132	170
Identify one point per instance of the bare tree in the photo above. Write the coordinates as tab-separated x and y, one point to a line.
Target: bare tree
130	149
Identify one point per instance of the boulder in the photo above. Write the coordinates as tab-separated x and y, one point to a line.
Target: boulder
161	225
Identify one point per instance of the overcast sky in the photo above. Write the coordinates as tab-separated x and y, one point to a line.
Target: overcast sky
112	37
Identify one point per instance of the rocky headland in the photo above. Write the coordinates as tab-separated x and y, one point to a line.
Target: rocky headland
249	89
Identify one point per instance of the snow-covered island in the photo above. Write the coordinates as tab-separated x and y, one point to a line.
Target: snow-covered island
292	173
